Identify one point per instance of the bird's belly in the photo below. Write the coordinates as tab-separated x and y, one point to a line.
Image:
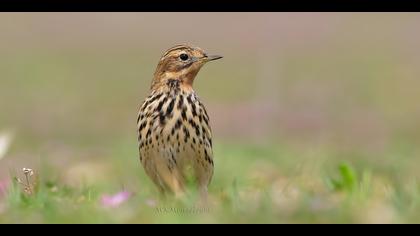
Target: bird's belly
174	135
177	147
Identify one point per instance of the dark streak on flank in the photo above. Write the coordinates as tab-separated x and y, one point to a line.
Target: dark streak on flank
142	126
189	99
207	157
184	113
139	117
160	105
193	110
195	126
150	100
173	157
170	108
176	127
186	134
162	118
180	102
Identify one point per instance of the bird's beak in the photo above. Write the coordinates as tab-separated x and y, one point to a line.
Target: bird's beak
212	58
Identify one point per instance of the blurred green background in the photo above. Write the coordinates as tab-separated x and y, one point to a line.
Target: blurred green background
316	116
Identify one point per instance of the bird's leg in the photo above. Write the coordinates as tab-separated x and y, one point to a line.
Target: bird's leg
203	194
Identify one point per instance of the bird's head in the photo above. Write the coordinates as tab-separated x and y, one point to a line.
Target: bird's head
181	62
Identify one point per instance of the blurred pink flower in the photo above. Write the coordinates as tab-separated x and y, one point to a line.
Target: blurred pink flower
4	185
113	201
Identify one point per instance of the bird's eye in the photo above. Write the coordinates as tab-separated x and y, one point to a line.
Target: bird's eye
183	57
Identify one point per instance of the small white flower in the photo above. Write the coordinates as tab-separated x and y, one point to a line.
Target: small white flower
27	171
5	140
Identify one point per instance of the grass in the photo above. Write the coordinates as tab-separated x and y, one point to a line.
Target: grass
271	185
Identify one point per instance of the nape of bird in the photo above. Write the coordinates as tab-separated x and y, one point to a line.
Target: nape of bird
174	133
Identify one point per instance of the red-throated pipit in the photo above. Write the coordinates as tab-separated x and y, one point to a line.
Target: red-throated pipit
173	125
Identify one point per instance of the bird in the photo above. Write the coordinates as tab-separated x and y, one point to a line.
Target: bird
174	132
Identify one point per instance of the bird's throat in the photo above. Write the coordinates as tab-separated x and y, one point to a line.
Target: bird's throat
174	80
